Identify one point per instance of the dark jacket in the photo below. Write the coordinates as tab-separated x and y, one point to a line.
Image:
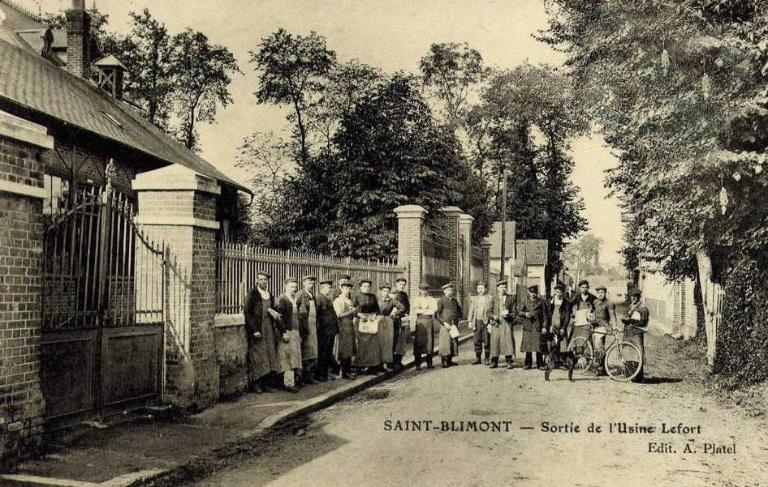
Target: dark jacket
388	304
284	306
327	321
254	312
509	304
577	303
402	298
366	303
303	300
565	315
448	310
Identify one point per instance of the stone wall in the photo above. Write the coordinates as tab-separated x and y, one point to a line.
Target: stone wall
21	234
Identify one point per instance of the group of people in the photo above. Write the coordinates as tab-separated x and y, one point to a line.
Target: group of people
548	326
311	335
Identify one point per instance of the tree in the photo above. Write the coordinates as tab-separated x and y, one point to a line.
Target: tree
582	256
516	108
146	52
388	151
201	73
450	70
292	71
268	161
679	91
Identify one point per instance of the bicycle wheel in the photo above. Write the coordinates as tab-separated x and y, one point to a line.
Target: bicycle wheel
623	361
582	354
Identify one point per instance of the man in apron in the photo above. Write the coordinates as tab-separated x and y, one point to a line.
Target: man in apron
345	312
448	315
308	322
367	328
390	310
501	322
327	329
401	322
261	334
289	346
479	317
424	309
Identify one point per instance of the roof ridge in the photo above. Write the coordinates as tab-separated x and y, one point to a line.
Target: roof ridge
21	9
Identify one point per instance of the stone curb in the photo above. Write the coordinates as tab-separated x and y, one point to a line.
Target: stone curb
274	421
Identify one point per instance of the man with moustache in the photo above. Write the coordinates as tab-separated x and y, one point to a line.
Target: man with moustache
346	312
327	329
535	315
502	319
559	324
261	334
479	317
402	328
308	325
448	315
289	346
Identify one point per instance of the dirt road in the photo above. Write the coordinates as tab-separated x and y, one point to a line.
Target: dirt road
478	426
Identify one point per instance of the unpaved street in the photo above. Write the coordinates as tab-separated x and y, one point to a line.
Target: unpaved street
348	444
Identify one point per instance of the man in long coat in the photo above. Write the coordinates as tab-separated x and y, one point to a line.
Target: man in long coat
635	321
327	329
390	311
479	317
402	328
448	315
289	346
535	314
261	334
424	309
502	320
369	318
308	319
559	328
346	312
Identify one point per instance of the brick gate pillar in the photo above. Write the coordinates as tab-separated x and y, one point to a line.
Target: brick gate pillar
450	220
485	246
21	245
410	253
178	206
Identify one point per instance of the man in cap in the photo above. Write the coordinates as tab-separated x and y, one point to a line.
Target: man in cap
448	315
327	328
289	347
390	310
261	334
308	320
559	324
424	308
502	339
346	312
635	321
368	341
479	317
402	327
604	321
535	316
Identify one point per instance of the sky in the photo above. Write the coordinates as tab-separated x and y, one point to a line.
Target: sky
390	34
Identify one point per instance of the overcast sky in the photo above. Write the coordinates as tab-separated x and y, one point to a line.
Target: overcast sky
386	33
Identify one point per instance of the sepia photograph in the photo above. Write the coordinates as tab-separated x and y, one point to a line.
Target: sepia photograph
378	243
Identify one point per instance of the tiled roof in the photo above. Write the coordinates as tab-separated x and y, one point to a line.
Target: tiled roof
29	80
532	252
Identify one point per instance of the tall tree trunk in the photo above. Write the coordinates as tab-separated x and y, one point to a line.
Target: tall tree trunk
704	263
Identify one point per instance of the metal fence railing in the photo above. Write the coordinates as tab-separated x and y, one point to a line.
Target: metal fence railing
238	264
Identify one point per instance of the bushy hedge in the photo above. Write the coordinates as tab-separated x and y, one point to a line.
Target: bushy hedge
742	352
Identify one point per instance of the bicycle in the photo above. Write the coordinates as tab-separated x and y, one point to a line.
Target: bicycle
623	360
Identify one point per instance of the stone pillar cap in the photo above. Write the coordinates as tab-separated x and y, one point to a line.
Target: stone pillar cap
410	210
452	210
465	217
175	178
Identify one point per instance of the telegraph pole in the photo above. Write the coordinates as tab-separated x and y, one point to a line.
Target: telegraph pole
503	223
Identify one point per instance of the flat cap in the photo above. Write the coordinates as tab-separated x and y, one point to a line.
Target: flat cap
582	282
364	280
534	288
401	279
289	280
447	285
310	277
265	274
347	284
601	288
482	283
385	285
345	276
325	280
560	286
503	282
423	285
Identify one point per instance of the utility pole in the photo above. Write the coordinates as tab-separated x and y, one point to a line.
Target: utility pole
503	223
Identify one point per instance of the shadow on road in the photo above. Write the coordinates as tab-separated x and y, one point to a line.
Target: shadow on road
661	380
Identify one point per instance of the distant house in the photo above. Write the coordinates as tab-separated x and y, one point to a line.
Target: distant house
509	248
531	263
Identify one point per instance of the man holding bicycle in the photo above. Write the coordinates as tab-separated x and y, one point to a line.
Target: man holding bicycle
604	321
635	325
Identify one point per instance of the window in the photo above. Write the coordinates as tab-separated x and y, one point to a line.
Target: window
56	194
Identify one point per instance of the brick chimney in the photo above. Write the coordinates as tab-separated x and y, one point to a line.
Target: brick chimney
78	40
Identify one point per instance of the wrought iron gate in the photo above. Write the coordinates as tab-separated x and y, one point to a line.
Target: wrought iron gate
103	310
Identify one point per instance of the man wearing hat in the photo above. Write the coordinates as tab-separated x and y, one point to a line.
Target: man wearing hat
559	324
308	325
368	341
479	317
635	321
424	309
582	310
336	292
448	315
261	334
289	347
390	310
535	316
402	327
502	339
346	312
327	328
604	319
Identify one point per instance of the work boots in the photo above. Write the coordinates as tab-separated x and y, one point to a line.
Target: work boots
478	361
494	362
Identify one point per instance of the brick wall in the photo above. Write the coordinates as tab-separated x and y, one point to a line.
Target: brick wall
21	402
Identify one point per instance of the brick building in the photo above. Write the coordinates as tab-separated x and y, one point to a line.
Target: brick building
66	131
